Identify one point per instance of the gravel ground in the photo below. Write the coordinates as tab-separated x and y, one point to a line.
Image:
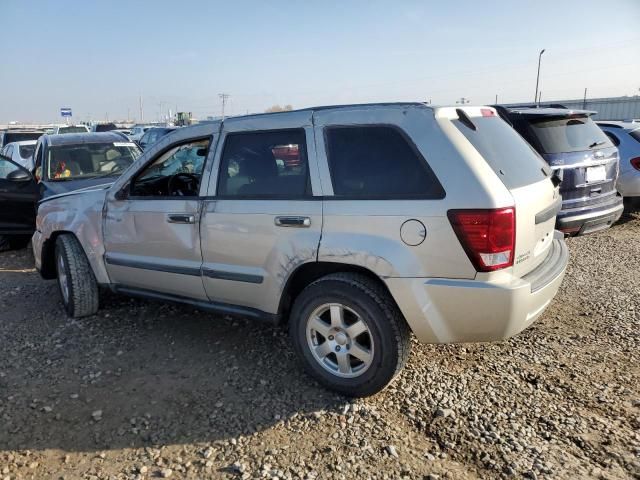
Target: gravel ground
146	390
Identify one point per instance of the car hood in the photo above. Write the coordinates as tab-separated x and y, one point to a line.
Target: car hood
50	190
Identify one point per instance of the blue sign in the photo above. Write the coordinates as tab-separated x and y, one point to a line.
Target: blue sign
65	112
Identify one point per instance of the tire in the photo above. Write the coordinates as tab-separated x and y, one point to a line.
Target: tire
373	358
14	242
18	242
78	286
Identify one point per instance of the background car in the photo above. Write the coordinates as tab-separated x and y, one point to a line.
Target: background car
60	129
18	197
154	134
19	134
103	127
137	131
581	155
74	161
626	136
21	152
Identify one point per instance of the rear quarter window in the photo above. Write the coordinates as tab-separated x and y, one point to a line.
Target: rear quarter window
635	135
513	160
371	162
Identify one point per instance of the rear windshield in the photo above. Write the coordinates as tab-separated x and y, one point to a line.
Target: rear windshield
21	136
508	154
558	135
71	162
26	151
105	127
635	134
72	130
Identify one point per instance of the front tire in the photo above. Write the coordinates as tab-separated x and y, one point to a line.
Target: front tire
78	286
349	334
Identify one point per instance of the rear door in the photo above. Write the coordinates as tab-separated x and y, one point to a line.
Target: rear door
526	176
18	199
263	214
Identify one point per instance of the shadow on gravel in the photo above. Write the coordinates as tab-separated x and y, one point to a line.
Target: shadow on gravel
138	374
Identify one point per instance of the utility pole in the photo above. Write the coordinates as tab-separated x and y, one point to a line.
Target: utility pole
224	97
584	100
535	98
141	110
496	99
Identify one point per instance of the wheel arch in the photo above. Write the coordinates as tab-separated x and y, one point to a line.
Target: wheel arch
48	268
309	272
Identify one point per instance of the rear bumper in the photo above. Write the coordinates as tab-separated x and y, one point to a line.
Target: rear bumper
442	310
583	220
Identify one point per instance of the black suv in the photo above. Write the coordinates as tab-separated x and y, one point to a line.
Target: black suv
19	135
581	155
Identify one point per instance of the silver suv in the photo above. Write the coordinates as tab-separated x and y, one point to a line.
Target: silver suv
354	225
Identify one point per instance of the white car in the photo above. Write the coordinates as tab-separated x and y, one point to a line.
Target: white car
626	136
20	152
137	131
60	129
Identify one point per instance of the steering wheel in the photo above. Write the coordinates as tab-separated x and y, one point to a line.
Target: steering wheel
189	181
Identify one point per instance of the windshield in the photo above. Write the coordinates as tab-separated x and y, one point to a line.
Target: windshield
26	151
72	130
568	134
71	162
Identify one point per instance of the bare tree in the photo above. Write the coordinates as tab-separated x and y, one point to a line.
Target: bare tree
278	108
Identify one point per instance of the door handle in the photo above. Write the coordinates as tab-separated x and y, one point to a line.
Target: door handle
299	222
181	218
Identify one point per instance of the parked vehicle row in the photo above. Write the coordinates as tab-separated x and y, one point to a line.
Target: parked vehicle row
355	225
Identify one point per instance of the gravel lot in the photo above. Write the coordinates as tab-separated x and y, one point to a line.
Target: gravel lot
146	390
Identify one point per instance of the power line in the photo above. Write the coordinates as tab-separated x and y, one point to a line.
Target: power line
224	97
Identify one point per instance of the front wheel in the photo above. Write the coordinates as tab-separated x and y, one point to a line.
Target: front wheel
349	334
78	286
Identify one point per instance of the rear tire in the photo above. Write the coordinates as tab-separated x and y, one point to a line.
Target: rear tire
78	286
18	242
349	334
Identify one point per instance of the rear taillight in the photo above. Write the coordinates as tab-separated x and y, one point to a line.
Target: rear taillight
635	163
488	236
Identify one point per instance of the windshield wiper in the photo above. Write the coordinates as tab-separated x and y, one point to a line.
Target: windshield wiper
595	144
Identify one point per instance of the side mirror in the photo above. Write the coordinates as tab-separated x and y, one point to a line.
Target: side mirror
123	193
557	176
19	175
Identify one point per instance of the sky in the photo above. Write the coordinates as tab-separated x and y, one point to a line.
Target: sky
101	57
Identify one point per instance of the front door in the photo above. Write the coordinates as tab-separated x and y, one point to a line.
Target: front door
18	196
261	220
152	238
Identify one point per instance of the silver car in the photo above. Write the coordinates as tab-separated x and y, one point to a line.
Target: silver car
626	136
353	225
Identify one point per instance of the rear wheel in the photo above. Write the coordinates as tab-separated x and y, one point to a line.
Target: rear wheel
78	286
349	334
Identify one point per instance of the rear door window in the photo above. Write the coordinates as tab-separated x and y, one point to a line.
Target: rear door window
514	161
576	133
270	164
378	161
